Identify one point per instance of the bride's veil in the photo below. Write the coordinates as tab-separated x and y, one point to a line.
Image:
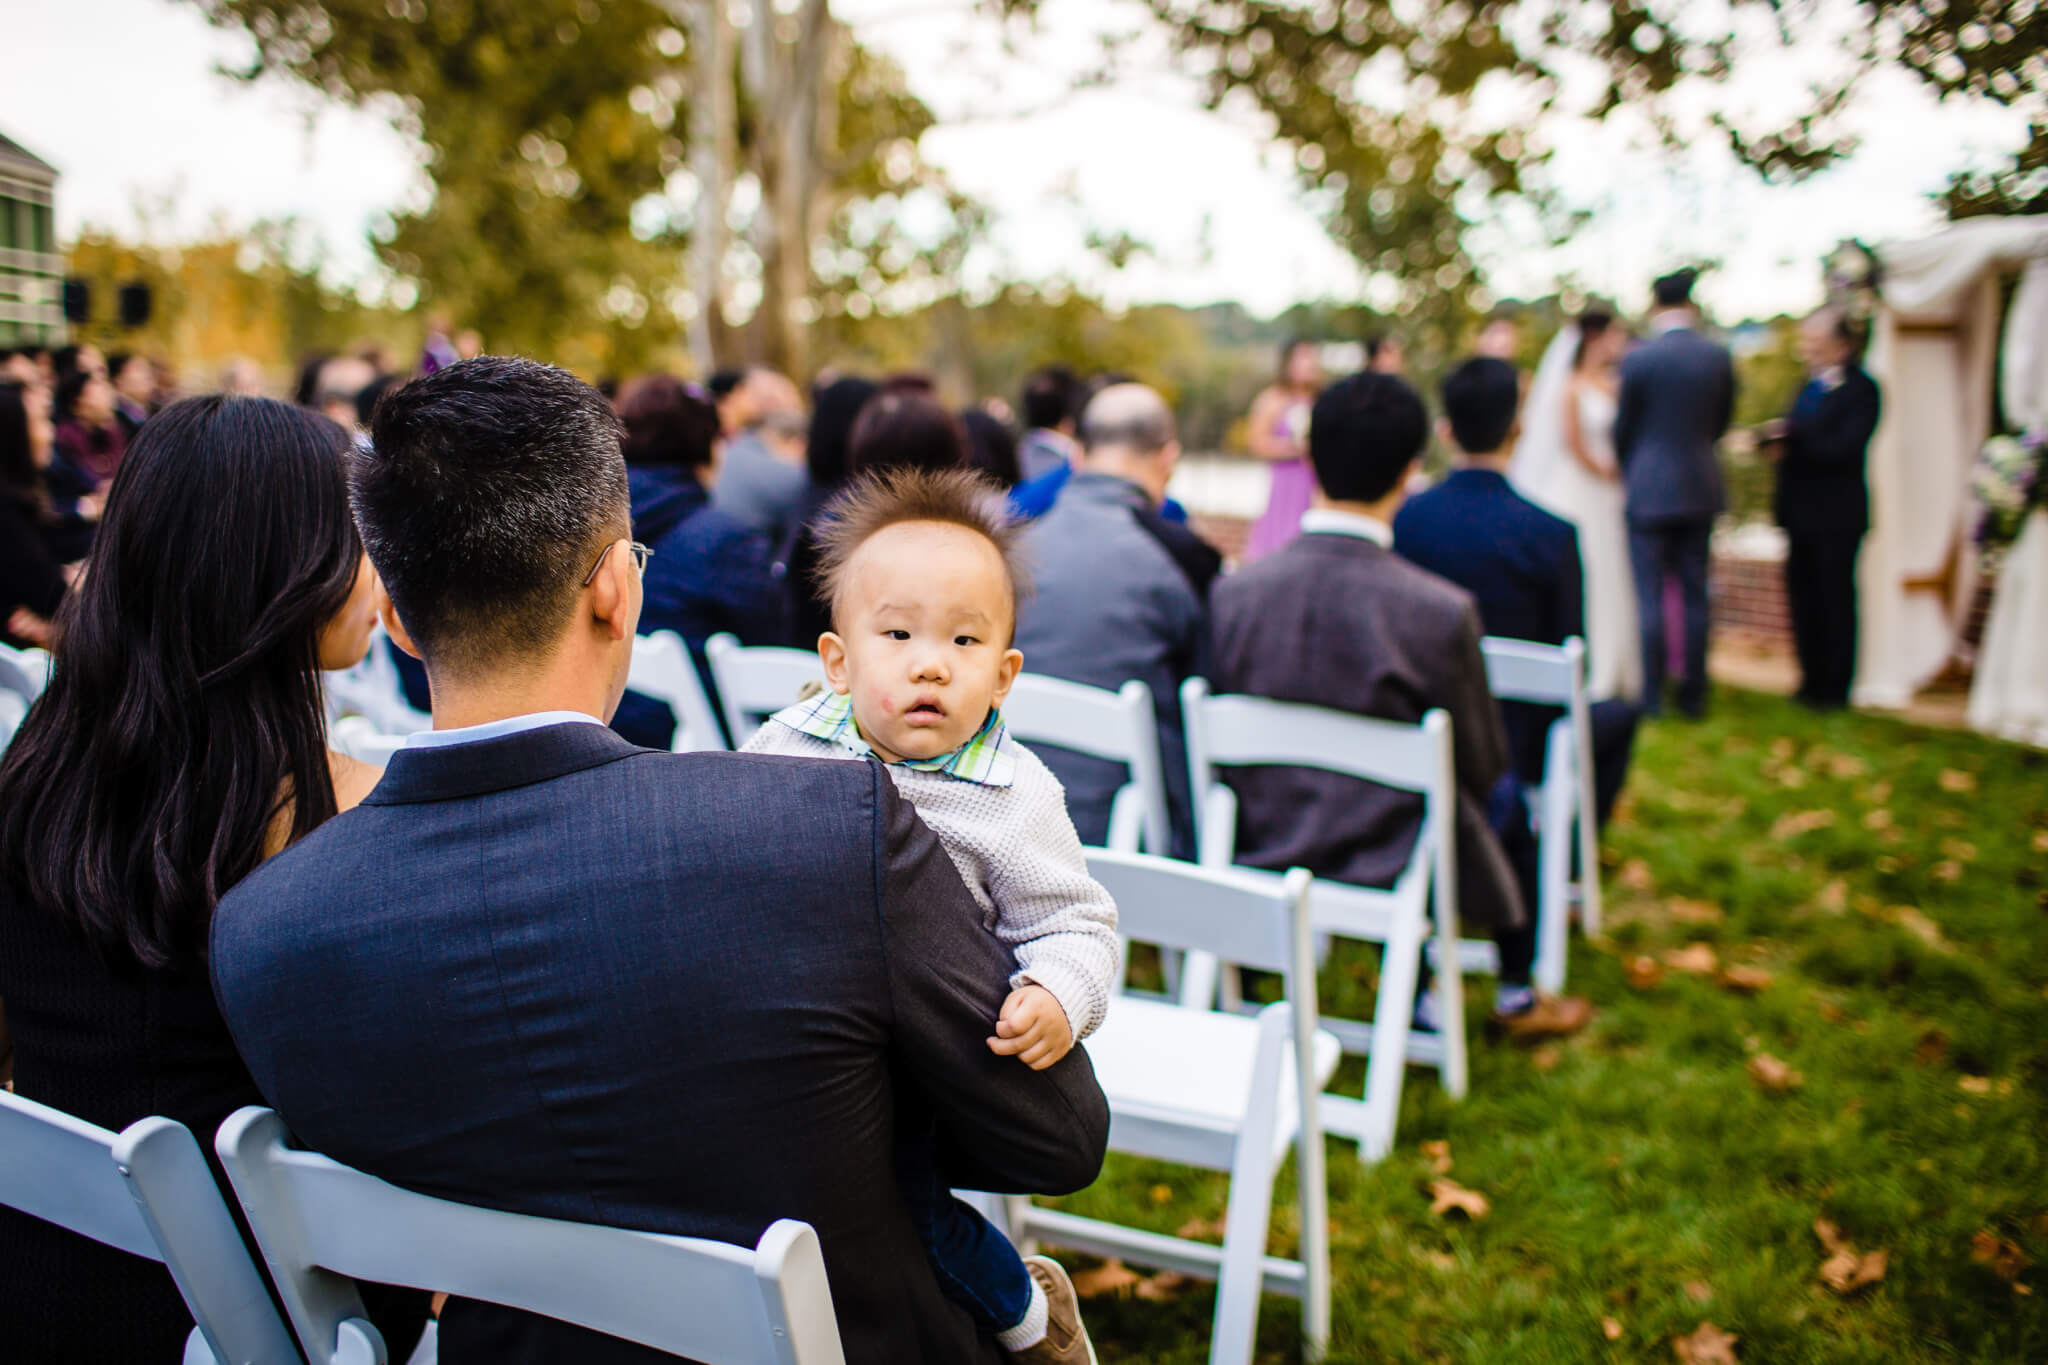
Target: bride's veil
1540	455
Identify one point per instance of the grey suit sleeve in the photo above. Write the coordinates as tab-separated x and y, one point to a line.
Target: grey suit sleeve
1479	739
1001	1125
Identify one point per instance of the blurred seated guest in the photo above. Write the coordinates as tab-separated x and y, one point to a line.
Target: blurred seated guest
543	971
83	358
1501	337
762	483
69	511
469	343
990	446
827	454
303	393
1521	564
371	394
906	429
32	580
20	367
1386	353
87	435
709	573
1337	620
134	378
437	352
1053	398
181	742
342	381
1823	502
242	378
1120	594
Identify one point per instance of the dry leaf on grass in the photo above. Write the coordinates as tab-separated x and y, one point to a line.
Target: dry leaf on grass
1635	875
1974	1085
1931	1048
2004	1258
1697	958
1110	1277
1877	819
1834	897
1699	1291
2041	841
1795	823
1642	972
1201	1230
1707	1345
1167	1284
1685	911
1958	781
1920	927
1846	767
1448	1196
1792	779
1962	850
1847	1270
1948	870
1441	1260
1610	1329
1773	1076
1438	1154
1746	980
1547	1057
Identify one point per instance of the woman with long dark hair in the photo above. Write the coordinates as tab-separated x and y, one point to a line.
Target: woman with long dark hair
32	582
88	437
180	742
828	453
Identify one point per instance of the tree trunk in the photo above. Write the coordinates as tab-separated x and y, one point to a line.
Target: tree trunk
713	135
786	80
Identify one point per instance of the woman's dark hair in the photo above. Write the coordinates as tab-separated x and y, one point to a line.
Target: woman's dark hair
836	409
307	389
184	710
1593	325
991	447
21	482
906	431
68	389
667	422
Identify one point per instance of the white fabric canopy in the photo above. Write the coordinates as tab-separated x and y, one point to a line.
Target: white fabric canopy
1936	342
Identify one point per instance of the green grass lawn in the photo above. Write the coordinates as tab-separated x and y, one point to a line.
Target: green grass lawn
1893	883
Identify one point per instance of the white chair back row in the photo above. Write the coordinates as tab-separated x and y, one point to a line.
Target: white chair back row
146	1191
24	672
374	692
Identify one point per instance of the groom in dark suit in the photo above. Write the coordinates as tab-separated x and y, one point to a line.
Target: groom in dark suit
541	970
1677	398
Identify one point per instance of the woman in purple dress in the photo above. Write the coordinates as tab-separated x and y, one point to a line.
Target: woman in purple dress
1279	436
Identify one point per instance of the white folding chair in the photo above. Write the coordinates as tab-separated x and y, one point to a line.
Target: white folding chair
146	1191
24	672
322	1226
756	681
1119	726
1566	822
360	739
1239	731
664	670
374	691
13	711
1220	1091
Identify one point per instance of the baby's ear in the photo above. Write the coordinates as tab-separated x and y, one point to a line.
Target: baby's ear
832	654
1006	673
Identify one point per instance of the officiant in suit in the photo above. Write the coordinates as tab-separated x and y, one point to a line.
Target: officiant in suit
1823	502
1677	398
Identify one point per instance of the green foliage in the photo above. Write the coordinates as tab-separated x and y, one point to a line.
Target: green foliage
1644	1176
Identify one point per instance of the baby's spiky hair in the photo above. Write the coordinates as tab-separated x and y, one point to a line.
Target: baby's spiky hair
890	497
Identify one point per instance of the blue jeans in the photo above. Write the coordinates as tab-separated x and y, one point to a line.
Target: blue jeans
1681	549
976	1266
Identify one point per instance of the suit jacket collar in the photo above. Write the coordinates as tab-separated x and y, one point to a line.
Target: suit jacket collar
462	770
1336	545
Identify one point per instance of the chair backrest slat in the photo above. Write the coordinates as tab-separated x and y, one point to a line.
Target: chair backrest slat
1522	670
24	672
754	682
1120	726
1241	731
61	1169
1239	917
709	1301
663	669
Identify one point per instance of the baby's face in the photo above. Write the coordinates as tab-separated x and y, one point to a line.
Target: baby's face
923	645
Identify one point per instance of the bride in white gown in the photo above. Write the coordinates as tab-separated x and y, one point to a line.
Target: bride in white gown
1565	462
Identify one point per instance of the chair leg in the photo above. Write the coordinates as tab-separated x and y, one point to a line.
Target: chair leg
1393	1016
1241	1278
1553	910
1450	999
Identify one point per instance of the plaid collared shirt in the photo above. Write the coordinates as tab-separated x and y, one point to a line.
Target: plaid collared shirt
988	759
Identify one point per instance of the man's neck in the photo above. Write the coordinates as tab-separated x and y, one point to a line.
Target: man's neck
1672	320
1130	469
561	683
1494	462
1382	511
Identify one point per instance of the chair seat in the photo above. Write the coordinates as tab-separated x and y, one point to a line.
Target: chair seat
1172	1069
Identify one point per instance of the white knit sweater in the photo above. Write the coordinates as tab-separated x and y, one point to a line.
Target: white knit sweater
1017	851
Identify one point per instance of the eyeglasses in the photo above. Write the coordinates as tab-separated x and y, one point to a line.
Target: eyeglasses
641	554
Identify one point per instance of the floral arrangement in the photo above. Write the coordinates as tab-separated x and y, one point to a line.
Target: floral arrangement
2010	481
1854	275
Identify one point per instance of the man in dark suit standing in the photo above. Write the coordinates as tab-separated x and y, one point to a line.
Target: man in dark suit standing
1823	502
1520	563
1677	398
541	970
1336	619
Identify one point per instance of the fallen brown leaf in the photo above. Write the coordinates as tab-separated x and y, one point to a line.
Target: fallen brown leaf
1448	1196
1931	1048
1438	1154
1747	980
1166	1285
1773	1076
1792	779
1699	1291
1610	1329
1783	748
1707	1345
1974	1085
1547	1057
2041	841
1795	823
1834	897
1635	875
1110	1277
1962	850
1201	1230
1845	1272
1831	1239
1948	870
1442	1260
1685	911
1920	927
2004	1258
1880	818
1846	767
1956	780
1697	958
1642	972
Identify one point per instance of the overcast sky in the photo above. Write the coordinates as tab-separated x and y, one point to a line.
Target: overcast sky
122	96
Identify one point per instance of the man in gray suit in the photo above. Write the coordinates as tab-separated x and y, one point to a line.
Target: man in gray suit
1677	398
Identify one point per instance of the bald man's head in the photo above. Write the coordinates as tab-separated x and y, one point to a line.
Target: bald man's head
1128	417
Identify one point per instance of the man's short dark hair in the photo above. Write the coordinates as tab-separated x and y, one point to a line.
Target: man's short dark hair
1051	396
1481	398
1366	431
1674	290
489	491
723	382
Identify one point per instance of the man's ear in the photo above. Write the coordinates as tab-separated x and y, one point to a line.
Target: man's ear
832	653
1006	673
1443	434
615	592
395	628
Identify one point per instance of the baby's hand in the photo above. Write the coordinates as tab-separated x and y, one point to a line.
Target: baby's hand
1034	1027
